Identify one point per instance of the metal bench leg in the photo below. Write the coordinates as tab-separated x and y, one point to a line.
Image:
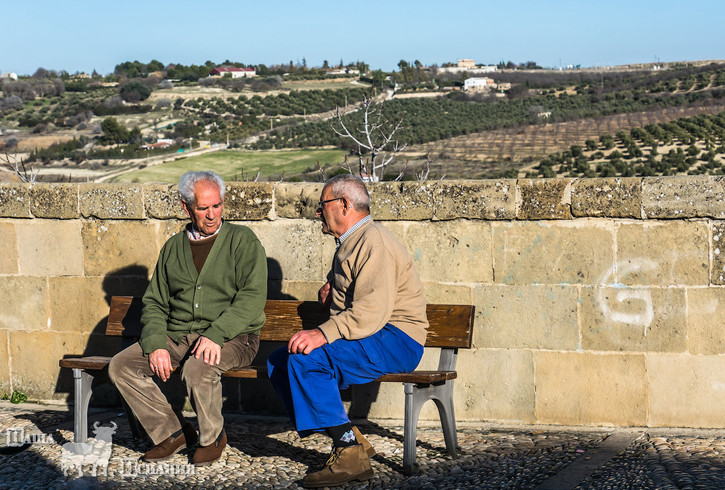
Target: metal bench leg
413	403
82	396
443	399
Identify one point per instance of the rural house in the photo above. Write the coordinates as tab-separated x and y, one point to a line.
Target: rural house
479	84
235	72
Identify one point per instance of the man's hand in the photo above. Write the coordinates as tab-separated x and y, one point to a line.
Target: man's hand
160	363
323	295
305	341
208	350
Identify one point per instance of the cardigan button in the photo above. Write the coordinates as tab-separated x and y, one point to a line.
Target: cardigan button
196	305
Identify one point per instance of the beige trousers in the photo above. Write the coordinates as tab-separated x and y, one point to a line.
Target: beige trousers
130	372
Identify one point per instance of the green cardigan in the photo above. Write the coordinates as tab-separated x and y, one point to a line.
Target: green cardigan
225	300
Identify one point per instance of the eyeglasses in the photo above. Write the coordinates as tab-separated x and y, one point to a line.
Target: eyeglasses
321	204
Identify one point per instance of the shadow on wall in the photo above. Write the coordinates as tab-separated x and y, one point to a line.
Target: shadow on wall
126	281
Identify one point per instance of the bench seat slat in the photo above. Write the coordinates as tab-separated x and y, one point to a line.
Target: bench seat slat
96	363
420	377
93	363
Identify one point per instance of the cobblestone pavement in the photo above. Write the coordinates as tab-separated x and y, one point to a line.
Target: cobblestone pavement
267	453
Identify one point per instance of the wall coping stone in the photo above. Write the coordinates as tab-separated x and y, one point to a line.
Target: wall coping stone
692	196
15	201
111	201
676	197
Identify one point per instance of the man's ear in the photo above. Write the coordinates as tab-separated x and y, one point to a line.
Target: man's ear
186	208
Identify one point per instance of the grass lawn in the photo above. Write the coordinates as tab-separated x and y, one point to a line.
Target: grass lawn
238	165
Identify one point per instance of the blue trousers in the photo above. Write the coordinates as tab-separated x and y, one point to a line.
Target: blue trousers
309	384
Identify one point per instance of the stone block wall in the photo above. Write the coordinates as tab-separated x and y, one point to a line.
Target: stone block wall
598	301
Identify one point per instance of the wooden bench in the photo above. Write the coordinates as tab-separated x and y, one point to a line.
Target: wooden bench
451	328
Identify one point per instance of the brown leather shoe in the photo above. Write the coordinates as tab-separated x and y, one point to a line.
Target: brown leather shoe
369	449
345	464
172	444
205	455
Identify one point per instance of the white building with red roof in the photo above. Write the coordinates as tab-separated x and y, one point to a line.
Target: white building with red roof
233	71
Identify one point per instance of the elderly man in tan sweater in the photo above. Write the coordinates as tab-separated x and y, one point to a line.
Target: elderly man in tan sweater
377	326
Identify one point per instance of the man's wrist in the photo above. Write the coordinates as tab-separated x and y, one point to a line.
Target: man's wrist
323	334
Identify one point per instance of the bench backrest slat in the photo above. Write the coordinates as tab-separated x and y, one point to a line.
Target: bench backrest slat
450	325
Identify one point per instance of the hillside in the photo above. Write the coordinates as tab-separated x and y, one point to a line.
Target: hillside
547	124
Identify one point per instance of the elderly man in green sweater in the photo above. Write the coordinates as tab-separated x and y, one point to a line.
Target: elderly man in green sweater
202	312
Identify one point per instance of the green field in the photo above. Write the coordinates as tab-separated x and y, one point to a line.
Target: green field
239	165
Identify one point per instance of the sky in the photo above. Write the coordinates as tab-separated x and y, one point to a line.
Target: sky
87	35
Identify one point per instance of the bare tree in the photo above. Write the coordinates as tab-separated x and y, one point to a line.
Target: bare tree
26	175
373	141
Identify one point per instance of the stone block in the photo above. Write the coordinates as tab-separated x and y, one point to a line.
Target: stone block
467	246
5	378
50	247
484	199
609	197
54	201
525	317
552	252
9	245
544	199
686	390
298	247
297	200
624	318
161	201
111	201
109	246
448	294
663	253
401	200
77	304
590	389
385	400
35	357
248	200
687	196
397	228
168	228
495	384
299	290
15	201
706	321
23	303
717	256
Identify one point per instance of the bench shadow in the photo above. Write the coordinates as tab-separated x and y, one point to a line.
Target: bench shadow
126	281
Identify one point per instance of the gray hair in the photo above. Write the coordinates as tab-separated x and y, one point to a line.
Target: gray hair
352	188
188	182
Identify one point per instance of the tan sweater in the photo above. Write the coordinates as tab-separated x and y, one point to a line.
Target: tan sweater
374	282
